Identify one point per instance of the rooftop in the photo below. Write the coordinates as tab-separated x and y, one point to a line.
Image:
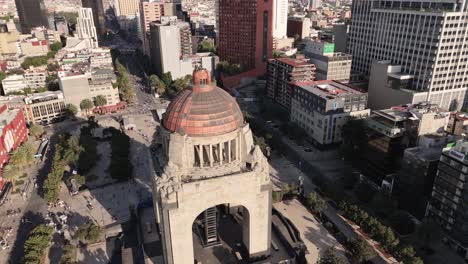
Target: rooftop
328	89
407	111
294	62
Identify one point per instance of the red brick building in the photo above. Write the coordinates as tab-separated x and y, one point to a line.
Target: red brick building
246	33
13	132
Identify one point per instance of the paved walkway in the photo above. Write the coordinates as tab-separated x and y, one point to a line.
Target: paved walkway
316	238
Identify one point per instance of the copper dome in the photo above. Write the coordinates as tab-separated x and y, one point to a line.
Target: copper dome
203	110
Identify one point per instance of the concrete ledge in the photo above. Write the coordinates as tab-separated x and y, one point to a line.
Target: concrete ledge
259	256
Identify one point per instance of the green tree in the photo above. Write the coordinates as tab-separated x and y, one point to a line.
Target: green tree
361	250
52	67
86	105
71	110
206	46
79	179
71	17
36	130
69	254
11	173
315	202
56	46
34	61
27	91
22	156
34	247
89	232
100	101
167	78
158	85
331	257
41	89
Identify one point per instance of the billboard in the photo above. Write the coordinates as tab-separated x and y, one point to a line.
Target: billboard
328	48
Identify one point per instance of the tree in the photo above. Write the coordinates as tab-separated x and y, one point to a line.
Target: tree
41	89
100	101
27	91
86	105
167	78
361	250
22	156
69	254
315	202
79	179
34	61
89	232
158	85
56	46
11	173
34	247
71	110
331	257
206	46
36	130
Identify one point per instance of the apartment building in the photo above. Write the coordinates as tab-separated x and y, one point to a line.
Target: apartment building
13	84
450	195
282	71
45	108
13	132
35	77
321	108
150	11
330	65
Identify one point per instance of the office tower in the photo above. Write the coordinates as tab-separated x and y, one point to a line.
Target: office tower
450	195
149	12
128	7
340	36
169	45
280	18
424	37
281	72
98	15
85	26
314	4
32	13
246	33
211	170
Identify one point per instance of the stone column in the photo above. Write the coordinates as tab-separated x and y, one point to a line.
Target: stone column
229	151
211	155
221	153
200	153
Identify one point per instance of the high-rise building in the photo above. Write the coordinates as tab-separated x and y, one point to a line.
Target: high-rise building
280	18
127	7
281	72
170	42
85	26
32	13
298	27
211	171
149	12
425	37
449	195
246	33
98	15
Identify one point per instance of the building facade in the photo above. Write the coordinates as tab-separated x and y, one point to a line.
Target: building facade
35	77
457	124
31	13
426	38
85	27
45	108
13	84
282	71
330	65
321	108
99	18
13	132
149	12
245	33
298	27
210	165
449	195
128	7
280	18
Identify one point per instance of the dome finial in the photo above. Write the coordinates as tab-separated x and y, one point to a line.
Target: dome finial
201	77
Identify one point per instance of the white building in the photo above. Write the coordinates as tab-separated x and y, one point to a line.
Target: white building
85	27
13	83
280	18
36	77
314	4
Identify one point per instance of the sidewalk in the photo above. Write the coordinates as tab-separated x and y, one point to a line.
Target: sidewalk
316	238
